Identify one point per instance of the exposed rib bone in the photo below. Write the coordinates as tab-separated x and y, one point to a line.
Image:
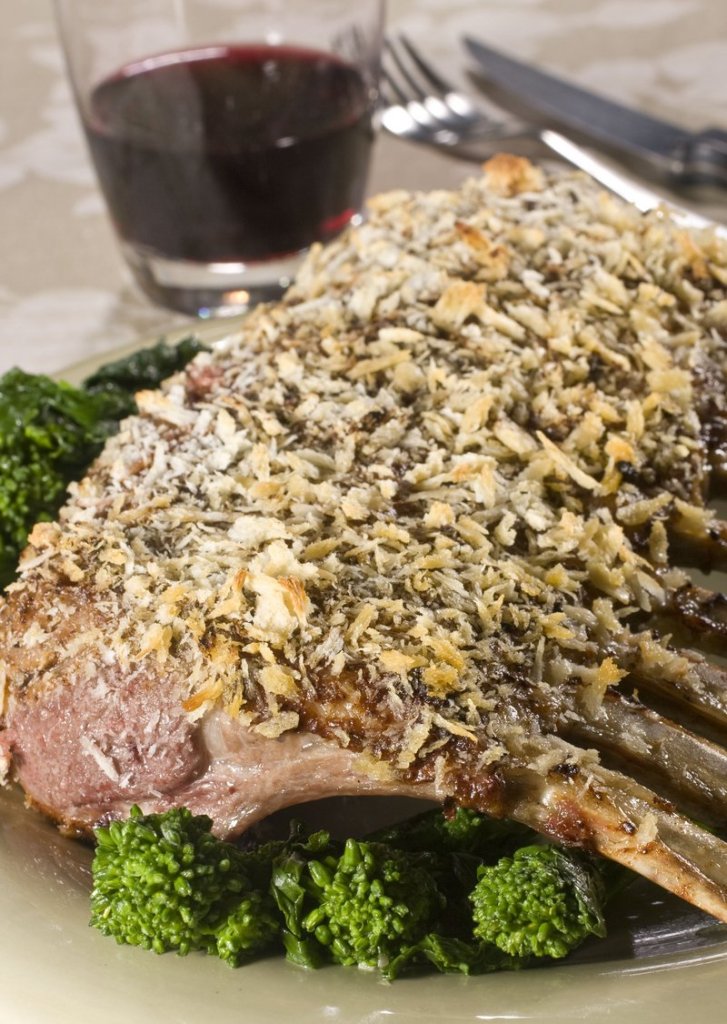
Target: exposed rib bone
622	820
686	679
694	616
704	611
706	550
687	766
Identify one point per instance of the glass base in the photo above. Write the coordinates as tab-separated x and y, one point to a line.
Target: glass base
210	289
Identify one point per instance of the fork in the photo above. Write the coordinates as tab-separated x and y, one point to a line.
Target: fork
420	105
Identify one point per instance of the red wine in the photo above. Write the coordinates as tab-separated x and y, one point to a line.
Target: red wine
231	153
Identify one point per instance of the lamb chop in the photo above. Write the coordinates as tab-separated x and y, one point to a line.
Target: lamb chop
408	532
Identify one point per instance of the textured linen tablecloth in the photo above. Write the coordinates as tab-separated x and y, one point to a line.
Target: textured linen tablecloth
64	291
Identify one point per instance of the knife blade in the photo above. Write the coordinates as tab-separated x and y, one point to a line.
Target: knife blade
624	185
697	155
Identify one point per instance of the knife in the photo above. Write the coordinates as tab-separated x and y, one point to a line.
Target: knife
627	187
694	156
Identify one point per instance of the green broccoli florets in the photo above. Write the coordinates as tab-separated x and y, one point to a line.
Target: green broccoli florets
164	882
372	902
251	927
540	902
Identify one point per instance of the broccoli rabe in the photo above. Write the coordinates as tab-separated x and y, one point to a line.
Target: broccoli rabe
50	431
507	901
146	368
164	882
363	903
250	927
541	902
296	894
372	901
455	829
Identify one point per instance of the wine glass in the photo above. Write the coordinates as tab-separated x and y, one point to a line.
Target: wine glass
227	135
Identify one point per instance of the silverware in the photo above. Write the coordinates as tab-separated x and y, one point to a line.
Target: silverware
687	155
422	106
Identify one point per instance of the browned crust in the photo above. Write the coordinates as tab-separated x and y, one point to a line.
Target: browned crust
401	504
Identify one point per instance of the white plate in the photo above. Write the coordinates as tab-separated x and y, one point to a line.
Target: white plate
663	963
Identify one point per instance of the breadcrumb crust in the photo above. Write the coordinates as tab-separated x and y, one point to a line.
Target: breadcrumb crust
418	475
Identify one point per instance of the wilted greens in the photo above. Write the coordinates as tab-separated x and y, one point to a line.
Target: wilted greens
51	431
454	891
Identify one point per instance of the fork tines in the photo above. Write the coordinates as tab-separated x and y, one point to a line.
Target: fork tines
420	104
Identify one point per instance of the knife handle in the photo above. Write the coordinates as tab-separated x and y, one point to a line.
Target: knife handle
703	156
